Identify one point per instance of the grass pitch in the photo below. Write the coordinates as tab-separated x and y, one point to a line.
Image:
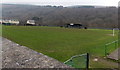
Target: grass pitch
60	43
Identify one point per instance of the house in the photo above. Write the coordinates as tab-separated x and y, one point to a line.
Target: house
9	22
5	22
14	22
0	21
30	22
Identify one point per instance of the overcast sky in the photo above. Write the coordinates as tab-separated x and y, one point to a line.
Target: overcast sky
64	2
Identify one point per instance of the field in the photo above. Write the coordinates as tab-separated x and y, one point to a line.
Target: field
62	43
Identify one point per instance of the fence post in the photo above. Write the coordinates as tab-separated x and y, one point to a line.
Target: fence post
105	50
115	44
87	62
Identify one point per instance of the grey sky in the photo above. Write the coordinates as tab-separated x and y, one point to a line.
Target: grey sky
65	2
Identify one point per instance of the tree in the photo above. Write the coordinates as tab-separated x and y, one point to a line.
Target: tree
38	20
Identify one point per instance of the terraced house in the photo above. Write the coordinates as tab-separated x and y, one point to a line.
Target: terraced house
9	22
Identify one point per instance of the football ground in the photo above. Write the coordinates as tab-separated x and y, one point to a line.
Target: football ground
63	43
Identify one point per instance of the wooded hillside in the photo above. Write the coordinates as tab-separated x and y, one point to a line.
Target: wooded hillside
59	16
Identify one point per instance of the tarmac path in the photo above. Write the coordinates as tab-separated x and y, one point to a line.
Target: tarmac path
115	55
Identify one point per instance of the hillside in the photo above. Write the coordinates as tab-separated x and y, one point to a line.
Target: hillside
91	17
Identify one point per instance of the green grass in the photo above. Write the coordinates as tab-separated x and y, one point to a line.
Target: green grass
0	30
60	43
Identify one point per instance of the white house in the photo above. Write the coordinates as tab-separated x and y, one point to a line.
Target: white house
0	21
5	21
12	22
32	22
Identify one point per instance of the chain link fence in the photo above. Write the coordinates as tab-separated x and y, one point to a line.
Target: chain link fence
79	61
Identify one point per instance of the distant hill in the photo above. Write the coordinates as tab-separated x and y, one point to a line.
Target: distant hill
82	6
90	6
91	16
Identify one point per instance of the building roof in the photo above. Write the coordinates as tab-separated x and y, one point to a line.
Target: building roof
31	21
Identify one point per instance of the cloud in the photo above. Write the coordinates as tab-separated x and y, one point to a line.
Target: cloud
65	2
